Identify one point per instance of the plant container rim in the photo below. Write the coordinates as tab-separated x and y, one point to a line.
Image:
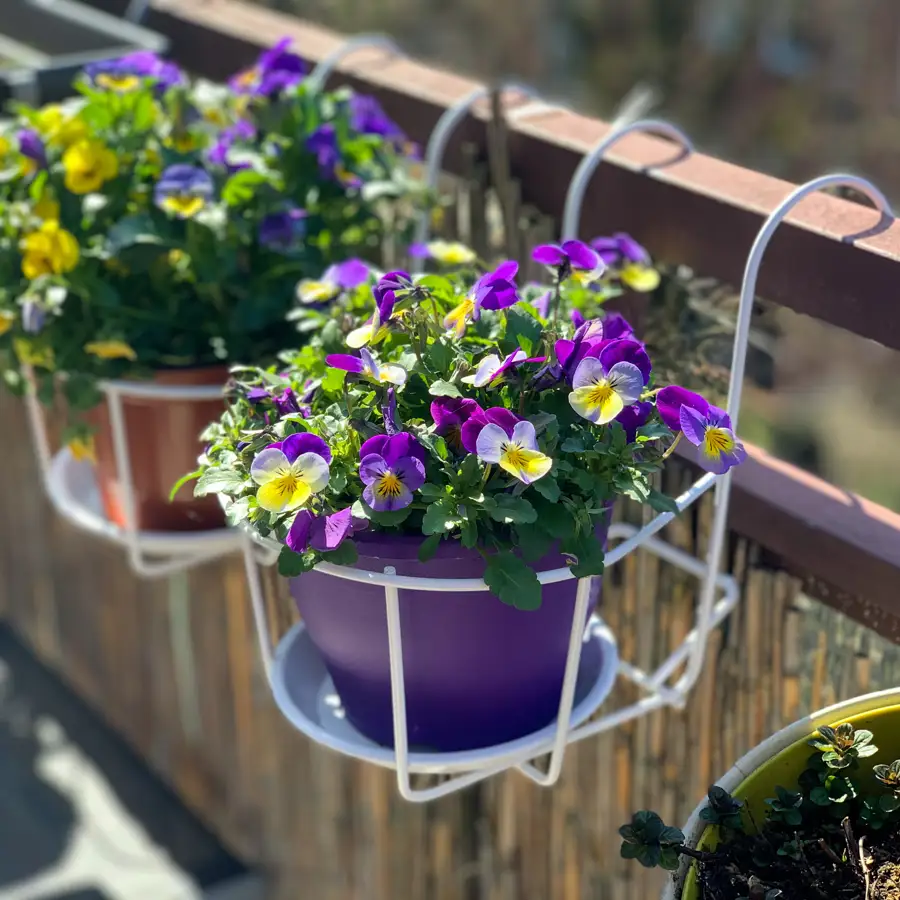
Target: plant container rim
683	885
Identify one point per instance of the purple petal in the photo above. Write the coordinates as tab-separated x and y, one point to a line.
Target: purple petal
616	326
371	468
506	271
373	445
626	351
718	417
693	424
505	418
632	417
304	442
298	537
542	305
631	249
346	362
564	350
418	250
387	504
548	255
351	274
577	318
401	445
670	400
450	412
607	248
580	255
411	472
328	532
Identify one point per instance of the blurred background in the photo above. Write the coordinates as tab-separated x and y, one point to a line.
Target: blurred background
790	88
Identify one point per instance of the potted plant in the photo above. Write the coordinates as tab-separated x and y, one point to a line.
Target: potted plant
812	813
451	426
158	228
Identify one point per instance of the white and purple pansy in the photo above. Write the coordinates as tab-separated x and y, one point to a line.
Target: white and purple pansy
514	450
492	370
392	469
290	472
337	278
368	367
603	385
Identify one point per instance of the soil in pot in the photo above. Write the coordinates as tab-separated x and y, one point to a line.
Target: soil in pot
477	672
164	443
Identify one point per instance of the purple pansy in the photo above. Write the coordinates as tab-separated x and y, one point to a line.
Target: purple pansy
389	413
282	230
127	72
385	293
322	533
366	365
449	415
496	415
391	470
276	70
632	417
183	190
620	248
669	401
32	147
497	289
718	448
219	153
339	277
302	442
491	370
367	117
570	258
323	144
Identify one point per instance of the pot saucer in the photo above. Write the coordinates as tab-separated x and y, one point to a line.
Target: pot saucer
306	696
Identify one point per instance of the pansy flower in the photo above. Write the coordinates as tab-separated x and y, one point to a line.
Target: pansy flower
613	325
391	468
337	278
280	231
447	253
290	472
473	425
570	259
50	250
632	417
367	117
322	533
669	401
183	190
367	366
385	292
323	144
515	451
127	73
32	148
449	415
492	370
276	70
603	386
220	154
629	259
497	289
712	434
88	165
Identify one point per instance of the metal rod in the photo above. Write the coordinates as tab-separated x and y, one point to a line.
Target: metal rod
258	602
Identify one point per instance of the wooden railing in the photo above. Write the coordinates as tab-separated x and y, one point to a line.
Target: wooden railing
834	260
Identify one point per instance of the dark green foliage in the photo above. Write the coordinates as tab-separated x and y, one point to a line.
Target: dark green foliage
723	810
650	841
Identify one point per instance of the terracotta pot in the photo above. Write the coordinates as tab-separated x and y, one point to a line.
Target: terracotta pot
163	444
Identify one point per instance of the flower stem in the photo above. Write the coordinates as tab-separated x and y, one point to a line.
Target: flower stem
672	446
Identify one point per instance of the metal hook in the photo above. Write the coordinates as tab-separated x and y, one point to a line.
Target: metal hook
326	66
588	165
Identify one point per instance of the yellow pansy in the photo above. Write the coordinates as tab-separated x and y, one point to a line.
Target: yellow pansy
82	449
50	250
639	277
111	350
88	165
60	129
458	317
120	82
47	209
451	253
31	355
7	320
183	143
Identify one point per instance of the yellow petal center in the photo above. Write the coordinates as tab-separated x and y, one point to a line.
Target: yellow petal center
717	441
389	485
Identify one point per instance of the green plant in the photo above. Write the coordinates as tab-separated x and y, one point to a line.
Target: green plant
158	222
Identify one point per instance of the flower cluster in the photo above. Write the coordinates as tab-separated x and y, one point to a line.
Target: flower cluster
458	406
154	221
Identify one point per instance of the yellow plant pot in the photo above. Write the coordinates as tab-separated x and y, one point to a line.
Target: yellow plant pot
780	760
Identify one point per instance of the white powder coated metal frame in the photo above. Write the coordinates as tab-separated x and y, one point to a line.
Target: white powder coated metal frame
71	487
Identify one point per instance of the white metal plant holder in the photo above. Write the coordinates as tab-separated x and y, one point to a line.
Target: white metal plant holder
306	695
71	486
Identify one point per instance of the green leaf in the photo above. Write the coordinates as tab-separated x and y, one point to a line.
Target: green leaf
513	581
444	389
548	487
555	519
522	330
469	533
183	481
889	803
429	547
237	512
532	542
588	552
345	554
137	229
661	502
440	517
668	858
820	796
291	564
333	381
653	430
507	508
241	186
629	850
431	491
218	481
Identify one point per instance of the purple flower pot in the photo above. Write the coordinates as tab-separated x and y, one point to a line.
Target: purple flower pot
477	672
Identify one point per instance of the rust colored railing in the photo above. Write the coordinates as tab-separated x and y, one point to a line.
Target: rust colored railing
833	260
